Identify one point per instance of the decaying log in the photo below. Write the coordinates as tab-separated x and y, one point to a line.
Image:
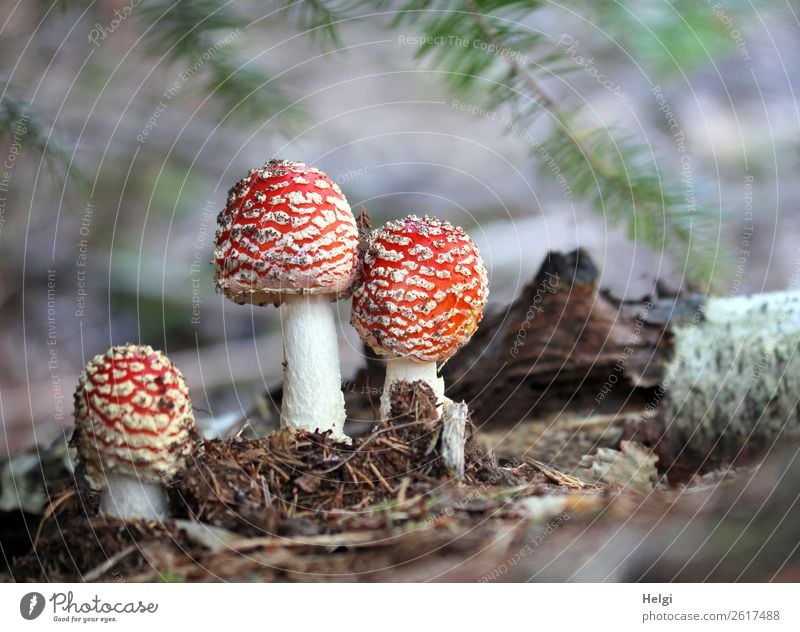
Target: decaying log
561	344
732	387
703	380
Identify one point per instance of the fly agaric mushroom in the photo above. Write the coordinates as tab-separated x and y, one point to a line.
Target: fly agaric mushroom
419	299
287	236
133	429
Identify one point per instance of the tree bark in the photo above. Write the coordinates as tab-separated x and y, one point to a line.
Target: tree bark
731	389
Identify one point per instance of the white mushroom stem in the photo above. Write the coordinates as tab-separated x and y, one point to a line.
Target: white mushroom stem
312	380
411	371
132	499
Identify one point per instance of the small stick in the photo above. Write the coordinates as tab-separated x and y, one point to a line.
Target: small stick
51	509
265	491
454	436
106	566
401	493
558	477
352	474
388	487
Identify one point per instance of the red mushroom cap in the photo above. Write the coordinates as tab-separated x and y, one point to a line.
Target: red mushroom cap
133	416
287	229
422	290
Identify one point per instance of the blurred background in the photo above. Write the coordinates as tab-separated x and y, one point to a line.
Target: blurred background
660	135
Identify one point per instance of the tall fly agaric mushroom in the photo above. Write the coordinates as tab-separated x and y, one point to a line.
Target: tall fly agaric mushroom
134	429
419	299
287	236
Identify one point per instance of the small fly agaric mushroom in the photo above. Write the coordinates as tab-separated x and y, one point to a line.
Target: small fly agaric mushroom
287	236
134	429
419	299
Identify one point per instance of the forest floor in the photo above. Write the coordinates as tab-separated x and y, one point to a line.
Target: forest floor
553	488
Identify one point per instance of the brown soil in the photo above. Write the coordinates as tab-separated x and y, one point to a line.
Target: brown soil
316	507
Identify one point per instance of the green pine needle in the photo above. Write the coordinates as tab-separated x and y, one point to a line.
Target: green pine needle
21	122
616	175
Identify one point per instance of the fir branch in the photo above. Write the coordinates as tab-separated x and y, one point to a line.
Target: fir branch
686	34
443	21
602	166
189	29
21	122
185	28
319	18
